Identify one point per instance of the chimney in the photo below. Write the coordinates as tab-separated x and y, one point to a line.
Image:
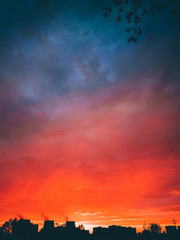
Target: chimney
48	225
70	225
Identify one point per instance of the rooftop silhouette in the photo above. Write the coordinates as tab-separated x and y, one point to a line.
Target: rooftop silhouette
24	229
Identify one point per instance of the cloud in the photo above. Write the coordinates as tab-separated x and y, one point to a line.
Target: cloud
121	146
174	192
84	113
90	214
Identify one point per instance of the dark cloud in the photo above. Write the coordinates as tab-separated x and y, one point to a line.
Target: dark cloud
51	47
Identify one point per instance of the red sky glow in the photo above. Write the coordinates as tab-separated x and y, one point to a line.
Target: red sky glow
108	160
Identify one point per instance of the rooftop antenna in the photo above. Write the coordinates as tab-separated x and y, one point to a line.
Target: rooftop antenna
144	226
174	221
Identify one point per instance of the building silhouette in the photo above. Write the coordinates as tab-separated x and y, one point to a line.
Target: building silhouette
70	225
115	233
173	232
23	229
48	225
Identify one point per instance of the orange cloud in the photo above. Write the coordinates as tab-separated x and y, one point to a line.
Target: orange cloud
115	155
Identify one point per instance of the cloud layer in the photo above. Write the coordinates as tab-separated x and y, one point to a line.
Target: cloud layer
85	114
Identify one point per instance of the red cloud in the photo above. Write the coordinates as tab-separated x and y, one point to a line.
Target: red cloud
110	154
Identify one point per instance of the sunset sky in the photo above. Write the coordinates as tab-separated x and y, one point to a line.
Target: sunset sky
89	123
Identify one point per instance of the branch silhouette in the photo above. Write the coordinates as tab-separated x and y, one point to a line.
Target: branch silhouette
134	12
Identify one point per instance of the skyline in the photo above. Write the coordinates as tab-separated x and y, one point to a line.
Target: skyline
25	229
89	123
40	225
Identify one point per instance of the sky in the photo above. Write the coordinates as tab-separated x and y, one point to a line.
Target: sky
89	123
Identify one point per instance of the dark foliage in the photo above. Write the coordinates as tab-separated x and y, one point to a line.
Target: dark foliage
154	227
7	226
134	11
